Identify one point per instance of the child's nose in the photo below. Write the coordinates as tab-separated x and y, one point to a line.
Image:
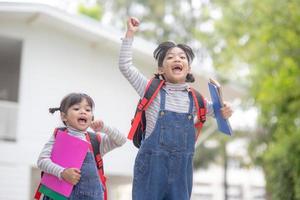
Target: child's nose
83	111
177	58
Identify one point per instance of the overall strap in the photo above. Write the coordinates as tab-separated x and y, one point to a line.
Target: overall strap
95	139
151	92
162	100
191	106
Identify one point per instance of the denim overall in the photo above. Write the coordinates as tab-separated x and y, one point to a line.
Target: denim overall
163	167
89	186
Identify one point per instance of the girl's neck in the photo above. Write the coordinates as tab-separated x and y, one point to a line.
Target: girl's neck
177	86
75	130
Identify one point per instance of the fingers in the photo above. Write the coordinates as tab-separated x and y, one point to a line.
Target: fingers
76	176
97	125
226	111
77	170
75	179
93	125
134	21
132	26
71	175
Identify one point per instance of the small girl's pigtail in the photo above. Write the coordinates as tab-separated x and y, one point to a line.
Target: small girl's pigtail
53	110
190	78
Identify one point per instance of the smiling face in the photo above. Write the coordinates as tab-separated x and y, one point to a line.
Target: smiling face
78	116
175	66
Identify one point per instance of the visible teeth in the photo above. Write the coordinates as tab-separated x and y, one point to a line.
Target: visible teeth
177	68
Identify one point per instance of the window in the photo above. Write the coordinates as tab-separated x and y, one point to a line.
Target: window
10	59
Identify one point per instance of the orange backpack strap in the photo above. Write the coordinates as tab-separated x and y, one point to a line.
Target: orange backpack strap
95	140
38	194
201	110
151	92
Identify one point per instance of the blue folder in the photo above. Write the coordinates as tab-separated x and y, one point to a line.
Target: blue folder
223	124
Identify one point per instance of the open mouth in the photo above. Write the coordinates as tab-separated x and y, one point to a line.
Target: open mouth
82	120
177	68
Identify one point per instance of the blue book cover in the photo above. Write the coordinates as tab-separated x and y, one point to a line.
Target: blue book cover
216	97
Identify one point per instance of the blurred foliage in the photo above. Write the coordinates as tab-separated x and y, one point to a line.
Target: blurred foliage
264	35
161	21
94	11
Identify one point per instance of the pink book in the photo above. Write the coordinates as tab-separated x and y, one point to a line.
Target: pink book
68	152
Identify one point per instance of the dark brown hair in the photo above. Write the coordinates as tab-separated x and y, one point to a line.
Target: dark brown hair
72	99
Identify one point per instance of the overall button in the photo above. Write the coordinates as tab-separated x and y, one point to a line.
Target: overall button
162	113
190	117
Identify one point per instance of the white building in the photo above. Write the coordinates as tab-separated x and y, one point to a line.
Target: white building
44	55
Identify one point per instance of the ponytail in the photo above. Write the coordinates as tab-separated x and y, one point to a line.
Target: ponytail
53	110
190	78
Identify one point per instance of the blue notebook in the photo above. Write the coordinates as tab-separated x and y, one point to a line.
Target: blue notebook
216	97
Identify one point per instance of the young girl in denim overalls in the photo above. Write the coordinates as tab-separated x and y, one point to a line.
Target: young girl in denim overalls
163	167
76	111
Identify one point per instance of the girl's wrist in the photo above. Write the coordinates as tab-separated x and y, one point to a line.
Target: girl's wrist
129	34
60	177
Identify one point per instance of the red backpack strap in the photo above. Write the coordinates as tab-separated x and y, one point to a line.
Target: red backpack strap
151	92
38	194
63	129
95	140
201	109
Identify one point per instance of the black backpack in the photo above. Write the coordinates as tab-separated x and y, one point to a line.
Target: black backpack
138	123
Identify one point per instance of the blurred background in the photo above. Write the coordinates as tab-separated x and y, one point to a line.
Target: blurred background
51	48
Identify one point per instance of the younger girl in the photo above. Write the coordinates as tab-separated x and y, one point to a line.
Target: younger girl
163	166
76	111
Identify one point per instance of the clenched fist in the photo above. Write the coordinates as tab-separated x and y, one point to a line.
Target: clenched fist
132	26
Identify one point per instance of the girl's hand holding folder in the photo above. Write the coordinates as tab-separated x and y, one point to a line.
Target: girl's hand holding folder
71	175
226	111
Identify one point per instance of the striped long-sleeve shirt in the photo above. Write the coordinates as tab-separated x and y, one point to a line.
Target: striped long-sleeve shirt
109	141
177	99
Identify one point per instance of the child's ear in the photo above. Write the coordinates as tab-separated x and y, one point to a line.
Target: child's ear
63	117
189	69
160	70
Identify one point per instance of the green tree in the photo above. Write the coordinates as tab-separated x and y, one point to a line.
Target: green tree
94	11
161	21
263	36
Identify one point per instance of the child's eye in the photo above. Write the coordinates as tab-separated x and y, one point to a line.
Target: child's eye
75	108
183	57
88	110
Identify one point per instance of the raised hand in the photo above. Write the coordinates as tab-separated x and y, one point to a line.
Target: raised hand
97	125
71	175
132	26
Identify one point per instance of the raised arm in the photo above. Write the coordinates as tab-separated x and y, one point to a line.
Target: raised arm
131	73
111	139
